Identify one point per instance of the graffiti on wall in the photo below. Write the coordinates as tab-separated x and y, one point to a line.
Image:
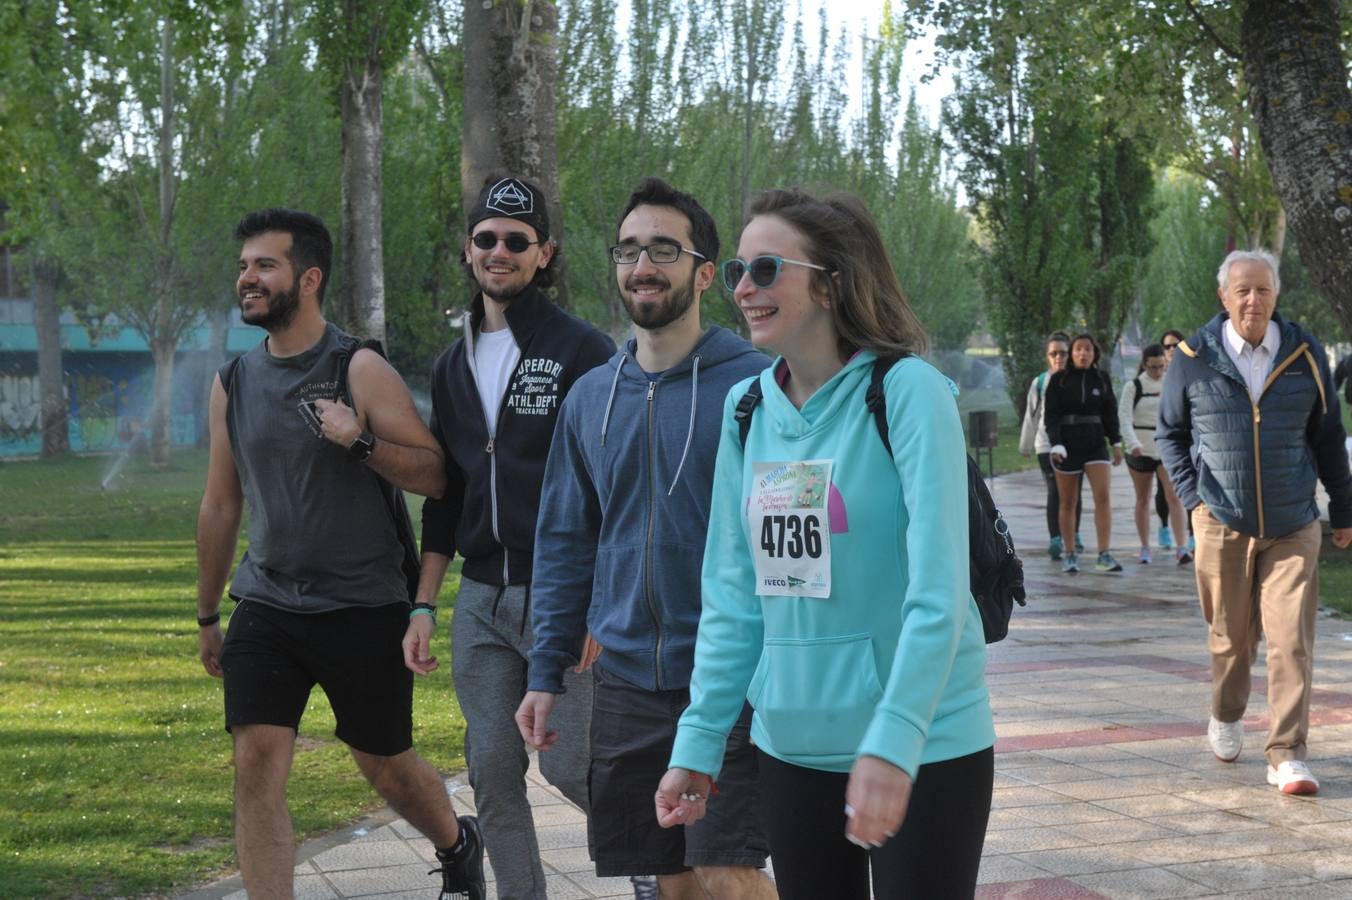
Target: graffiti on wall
108	405
20	410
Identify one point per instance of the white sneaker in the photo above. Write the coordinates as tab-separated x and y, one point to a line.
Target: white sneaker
1226	739
1293	777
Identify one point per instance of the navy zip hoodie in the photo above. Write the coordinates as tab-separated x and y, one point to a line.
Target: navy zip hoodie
493	485
619	543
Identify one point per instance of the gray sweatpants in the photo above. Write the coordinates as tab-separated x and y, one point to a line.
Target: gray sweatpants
490	639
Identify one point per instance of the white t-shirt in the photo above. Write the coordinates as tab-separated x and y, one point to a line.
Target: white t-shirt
495	357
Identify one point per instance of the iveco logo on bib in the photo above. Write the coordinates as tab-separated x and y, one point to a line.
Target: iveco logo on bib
775	582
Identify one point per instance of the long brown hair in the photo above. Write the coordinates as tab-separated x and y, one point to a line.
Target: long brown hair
867	306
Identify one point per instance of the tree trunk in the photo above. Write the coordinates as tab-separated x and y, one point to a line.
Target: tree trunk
216	352
51	379
162	352
362	311
509	109
163	337
1299	97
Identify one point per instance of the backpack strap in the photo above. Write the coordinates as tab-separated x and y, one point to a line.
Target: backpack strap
345	359
745	407
1041	381
1140	392
876	398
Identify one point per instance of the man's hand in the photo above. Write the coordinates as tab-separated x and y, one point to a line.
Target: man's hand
415	643
338	422
1342	537
209	642
682	798
591	651
532	717
876	797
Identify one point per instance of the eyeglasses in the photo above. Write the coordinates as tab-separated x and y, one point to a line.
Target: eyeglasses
1057	354
1170	346
660	252
764	270
516	241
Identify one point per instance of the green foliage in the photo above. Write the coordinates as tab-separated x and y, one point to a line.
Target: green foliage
115	770
704	106
1180	280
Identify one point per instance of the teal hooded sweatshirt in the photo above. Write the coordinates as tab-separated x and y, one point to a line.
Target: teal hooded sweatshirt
887	660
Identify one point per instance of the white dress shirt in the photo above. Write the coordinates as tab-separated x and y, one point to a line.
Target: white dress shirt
1254	363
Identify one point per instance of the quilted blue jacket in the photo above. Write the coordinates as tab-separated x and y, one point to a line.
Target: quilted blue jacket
1254	464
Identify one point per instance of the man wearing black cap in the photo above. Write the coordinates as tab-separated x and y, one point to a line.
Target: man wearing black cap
496	394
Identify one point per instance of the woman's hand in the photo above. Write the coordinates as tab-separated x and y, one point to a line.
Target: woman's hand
1117	455
1135	451
683	797
875	801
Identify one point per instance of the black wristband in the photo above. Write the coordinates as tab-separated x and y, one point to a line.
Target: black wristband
204	622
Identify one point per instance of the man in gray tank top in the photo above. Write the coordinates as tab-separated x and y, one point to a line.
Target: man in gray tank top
317	434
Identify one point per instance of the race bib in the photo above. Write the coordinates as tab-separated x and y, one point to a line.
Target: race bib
790	528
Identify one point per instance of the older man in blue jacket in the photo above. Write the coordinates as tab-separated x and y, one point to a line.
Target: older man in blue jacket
1246	424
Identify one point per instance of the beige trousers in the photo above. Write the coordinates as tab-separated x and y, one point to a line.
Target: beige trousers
1249	587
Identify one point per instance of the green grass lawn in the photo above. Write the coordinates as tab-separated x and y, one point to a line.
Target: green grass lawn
115	768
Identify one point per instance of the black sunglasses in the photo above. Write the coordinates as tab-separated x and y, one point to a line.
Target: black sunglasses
516	241
1170	346
764	270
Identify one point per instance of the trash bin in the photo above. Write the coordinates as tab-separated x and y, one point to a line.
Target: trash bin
982	432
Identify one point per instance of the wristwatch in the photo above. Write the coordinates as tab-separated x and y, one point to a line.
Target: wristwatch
362	446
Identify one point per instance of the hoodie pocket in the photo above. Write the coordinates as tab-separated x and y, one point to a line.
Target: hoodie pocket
816	697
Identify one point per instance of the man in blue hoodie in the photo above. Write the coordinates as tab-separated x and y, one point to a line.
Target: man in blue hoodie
619	546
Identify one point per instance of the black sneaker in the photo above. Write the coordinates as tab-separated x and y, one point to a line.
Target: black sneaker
462	874
645	887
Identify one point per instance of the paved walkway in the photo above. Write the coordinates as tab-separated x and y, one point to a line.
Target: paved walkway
1104	785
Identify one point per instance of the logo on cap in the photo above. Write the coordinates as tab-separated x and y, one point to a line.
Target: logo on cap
511	198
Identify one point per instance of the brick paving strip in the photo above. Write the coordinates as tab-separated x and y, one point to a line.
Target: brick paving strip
1104	785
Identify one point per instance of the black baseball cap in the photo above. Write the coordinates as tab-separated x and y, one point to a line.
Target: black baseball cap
512	198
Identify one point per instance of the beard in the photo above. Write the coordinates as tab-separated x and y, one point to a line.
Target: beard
281	309
652	316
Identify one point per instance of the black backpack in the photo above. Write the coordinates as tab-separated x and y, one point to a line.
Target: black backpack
411	565
995	569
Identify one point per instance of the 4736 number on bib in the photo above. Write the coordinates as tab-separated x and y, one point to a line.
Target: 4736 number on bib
790	528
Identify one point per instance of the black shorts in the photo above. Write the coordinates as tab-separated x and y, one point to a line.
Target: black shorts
632	733
1078	457
1143	463
273	658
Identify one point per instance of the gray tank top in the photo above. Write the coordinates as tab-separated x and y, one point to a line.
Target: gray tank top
321	536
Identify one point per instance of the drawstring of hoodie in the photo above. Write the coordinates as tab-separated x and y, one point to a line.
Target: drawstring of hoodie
690	430
610	401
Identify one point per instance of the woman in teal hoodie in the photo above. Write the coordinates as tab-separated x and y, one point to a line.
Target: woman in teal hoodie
835	586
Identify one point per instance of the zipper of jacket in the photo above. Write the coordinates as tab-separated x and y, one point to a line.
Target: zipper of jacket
648	545
1258	468
490	448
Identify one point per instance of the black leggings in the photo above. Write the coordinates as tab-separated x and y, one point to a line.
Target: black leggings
935	856
1162	507
1044	461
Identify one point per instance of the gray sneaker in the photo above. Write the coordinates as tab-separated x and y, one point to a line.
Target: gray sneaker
1106	563
1071	564
645	887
